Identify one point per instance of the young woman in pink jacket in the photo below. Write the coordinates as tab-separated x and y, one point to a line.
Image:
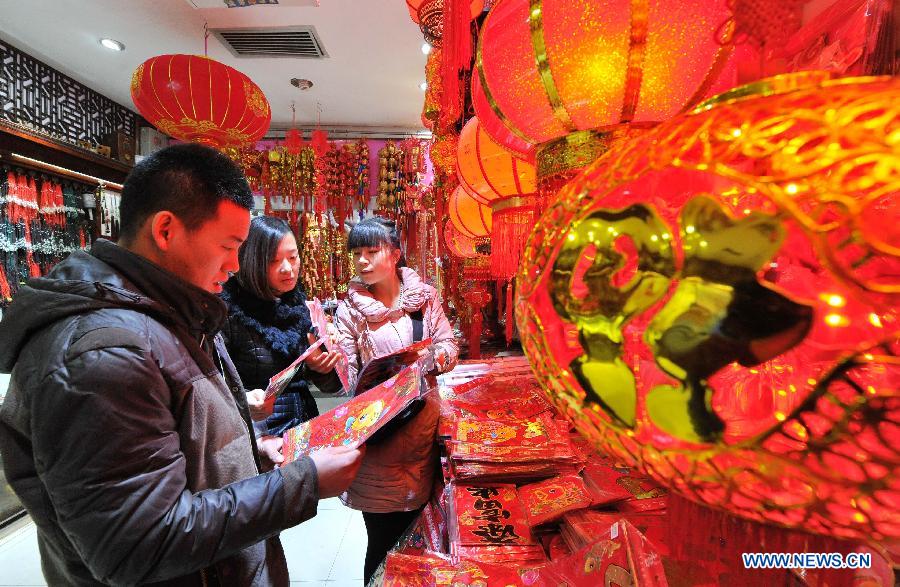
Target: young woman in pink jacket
396	476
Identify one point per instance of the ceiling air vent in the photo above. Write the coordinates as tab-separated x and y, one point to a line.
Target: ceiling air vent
300	41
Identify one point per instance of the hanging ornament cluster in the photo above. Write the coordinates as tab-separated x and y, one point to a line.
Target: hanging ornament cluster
717	302
41	222
194	98
346	177
390	185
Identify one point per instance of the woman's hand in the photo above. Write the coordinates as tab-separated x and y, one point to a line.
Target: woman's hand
321	361
260	406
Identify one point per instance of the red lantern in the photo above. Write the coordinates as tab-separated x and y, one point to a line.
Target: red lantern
458	244
717	302
194	98
470	217
553	68
487	171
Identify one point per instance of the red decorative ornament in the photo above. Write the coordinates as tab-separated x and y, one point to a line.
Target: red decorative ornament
293	141
716	302
194	98
319	141
469	216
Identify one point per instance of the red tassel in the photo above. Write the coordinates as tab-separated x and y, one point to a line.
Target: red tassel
510	229
456	48
509	313
5	293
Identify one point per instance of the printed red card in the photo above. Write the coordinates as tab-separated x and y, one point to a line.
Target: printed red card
550	499
489	515
320	321
353	422
280	381
537	431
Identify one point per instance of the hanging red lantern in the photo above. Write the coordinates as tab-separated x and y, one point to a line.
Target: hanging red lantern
194	98
488	171
493	176
717	302
563	75
470	217
459	244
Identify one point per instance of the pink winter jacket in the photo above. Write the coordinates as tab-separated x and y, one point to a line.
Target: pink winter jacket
397	474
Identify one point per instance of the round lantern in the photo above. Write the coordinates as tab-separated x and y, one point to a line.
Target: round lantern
488	171
193	98
561	74
458	244
469	217
716	302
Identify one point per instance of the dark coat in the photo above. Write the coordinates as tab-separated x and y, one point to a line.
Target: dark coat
263	337
126	436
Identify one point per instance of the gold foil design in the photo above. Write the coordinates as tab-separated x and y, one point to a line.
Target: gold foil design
536	25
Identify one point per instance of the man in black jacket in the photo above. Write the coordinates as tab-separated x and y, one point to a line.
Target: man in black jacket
125	430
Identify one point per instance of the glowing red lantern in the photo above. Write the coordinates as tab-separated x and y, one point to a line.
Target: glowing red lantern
458	244
194	98
468	216
488	171
553	68
717	302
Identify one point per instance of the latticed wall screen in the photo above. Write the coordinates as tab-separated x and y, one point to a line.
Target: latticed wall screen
36	97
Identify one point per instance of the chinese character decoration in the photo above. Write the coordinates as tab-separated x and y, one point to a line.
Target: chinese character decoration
717	302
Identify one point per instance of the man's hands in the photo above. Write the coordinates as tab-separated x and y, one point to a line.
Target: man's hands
337	467
270	451
260	406
321	361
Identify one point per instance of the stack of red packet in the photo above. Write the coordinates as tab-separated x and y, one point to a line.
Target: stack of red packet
487	450
618	555
432	570
488	398
548	500
486	523
581	527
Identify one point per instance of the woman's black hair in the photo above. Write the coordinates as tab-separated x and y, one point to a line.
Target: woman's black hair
266	234
375	232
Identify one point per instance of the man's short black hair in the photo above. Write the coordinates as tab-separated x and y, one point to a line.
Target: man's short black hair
189	180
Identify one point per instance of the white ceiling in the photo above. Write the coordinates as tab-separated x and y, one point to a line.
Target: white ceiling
370	78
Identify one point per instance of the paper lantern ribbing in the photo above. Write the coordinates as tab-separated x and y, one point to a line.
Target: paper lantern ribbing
469	217
429	15
194	98
717	302
551	68
487	171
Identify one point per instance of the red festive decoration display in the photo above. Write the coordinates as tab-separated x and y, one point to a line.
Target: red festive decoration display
717	303
194	98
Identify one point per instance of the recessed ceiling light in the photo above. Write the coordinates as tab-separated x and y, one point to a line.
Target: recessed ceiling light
112	44
426	48
423	86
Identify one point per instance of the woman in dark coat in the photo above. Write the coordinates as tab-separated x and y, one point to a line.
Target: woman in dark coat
269	325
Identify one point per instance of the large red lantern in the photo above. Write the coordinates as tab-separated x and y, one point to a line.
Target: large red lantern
194	98
716	302
563	75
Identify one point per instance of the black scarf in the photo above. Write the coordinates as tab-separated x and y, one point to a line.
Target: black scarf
283	322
